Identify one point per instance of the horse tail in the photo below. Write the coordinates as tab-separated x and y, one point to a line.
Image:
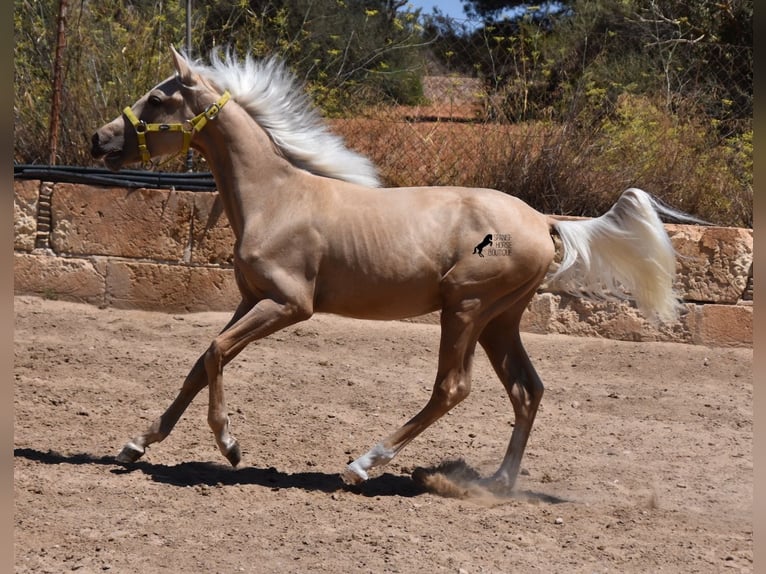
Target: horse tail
623	254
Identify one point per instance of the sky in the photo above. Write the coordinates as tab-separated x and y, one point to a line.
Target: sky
452	8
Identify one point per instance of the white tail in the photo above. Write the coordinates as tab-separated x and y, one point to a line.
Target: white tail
624	254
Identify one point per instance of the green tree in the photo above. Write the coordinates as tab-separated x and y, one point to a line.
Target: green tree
351	53
100	73
339	47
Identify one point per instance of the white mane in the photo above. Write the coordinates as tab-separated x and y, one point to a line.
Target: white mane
273	97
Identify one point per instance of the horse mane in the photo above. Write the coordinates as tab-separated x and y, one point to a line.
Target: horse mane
274	98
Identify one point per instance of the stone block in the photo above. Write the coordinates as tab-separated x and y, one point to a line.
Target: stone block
170	288
213	289
212	236
619	320
119	222
25	193
722	325
79	280
540	313
713	262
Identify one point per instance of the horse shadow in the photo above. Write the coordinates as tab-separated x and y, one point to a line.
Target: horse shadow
212	474
209	474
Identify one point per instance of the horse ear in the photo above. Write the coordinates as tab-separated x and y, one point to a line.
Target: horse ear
185	74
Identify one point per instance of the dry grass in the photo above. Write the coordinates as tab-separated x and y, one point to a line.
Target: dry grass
442	152
556	168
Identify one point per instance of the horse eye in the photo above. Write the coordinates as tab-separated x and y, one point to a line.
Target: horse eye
155	100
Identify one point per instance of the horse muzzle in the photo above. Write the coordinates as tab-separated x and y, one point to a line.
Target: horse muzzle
108	152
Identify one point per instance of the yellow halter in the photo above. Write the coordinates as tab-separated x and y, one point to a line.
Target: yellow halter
187	128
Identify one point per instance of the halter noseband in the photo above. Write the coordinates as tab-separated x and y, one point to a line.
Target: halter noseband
187	128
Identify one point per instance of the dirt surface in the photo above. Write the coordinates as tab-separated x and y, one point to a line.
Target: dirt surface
640	459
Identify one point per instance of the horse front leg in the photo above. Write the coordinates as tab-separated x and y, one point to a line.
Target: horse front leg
266	317
195	381
160	428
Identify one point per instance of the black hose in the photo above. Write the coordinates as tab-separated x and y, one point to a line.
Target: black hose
125	178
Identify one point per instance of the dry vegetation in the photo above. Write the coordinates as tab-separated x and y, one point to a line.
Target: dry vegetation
559	169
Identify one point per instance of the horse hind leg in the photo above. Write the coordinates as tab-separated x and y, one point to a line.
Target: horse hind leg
502	343
452	385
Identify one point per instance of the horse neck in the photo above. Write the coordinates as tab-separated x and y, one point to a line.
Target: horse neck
245	164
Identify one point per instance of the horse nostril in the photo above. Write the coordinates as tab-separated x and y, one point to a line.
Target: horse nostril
95	148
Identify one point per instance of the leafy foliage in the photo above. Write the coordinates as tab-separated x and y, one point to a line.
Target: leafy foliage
118	48
337	46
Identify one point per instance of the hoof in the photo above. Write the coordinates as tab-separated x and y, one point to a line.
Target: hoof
234	454
353	475
130	453
498	486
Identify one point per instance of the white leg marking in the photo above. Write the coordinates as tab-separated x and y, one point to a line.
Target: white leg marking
131	452
356	472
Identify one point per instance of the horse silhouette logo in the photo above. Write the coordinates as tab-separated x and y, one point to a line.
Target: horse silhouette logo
484	242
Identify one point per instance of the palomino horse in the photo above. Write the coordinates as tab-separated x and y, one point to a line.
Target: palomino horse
314	232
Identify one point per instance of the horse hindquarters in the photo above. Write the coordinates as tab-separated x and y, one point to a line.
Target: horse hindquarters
624	254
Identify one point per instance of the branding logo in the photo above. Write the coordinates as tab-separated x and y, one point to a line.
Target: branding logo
496	245
484	242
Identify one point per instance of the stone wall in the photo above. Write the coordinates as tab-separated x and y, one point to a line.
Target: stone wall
172	251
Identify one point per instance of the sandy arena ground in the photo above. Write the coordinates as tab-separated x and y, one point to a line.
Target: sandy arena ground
640	459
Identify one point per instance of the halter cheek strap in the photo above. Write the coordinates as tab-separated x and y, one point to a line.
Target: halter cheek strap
187	129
